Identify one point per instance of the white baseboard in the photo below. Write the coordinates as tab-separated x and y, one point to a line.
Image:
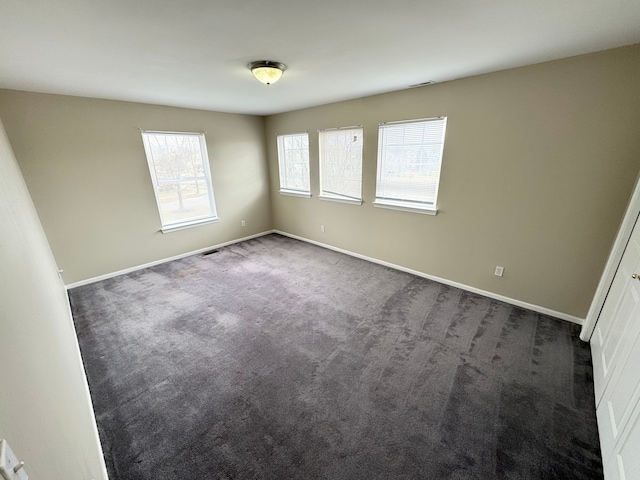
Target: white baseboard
512	301
495	296
164	260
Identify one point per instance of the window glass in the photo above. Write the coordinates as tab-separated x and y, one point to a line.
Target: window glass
341	164
179	168
409	162
293	161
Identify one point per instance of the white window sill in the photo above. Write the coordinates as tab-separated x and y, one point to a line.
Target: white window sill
407	207
193	223
294	193
351	201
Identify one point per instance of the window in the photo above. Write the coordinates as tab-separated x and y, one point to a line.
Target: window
179	168
341	165
293	161
409	160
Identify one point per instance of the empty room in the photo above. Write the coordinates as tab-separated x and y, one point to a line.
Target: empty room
305	240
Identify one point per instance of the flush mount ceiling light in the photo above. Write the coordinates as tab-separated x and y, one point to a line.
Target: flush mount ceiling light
266	71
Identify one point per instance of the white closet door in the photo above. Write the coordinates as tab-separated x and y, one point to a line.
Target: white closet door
615	347
624	461
610	338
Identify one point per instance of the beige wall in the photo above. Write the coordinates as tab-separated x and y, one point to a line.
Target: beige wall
84	163
538	165
45	410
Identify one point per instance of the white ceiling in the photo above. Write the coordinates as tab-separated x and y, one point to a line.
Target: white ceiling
193	53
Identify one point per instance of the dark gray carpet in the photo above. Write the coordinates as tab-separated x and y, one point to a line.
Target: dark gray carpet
276	359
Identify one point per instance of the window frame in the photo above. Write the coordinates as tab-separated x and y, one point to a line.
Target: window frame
282	158
429	208
204	157
333	196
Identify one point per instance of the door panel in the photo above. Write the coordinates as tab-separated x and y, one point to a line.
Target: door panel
611	336
615	348
624	463
622	393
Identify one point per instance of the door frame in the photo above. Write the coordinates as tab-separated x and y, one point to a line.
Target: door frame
611	267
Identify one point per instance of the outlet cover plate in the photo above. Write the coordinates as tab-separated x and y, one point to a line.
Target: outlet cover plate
8	462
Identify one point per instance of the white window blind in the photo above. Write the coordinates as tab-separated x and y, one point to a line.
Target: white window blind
341	164
179	168
293	161
409	161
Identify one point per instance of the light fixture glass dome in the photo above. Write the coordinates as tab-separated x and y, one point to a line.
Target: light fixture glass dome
266	71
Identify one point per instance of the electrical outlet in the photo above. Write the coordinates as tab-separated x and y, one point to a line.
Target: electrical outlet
243	224
10	467
499	271
322	228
